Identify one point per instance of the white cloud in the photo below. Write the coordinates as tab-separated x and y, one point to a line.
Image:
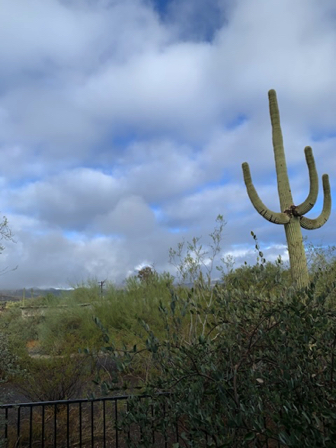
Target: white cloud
131	217
123	126
69	199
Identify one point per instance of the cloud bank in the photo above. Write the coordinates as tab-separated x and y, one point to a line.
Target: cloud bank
124	123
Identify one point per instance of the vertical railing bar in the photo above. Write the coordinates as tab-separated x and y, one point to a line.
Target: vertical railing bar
129	428
104	423
18	423
68	425
30	426
80	424
116	422
43	422
153	429
177	431
92	428
6	423
165	432
55	425
141	431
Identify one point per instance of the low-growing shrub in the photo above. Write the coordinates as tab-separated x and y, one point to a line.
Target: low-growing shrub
65	327
55	378
262	373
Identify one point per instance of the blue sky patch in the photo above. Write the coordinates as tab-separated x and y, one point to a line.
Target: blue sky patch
177	229
321	136
238	121
195	20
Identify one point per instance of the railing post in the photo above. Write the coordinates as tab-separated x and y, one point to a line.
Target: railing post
116	422
30	426
18	425
92	427
43	422
80	424
55	425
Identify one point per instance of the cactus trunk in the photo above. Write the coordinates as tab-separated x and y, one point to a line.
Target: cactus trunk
296	252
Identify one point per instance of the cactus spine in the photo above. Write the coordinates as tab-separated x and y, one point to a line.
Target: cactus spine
291	215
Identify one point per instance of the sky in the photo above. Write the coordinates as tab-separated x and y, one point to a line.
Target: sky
124	124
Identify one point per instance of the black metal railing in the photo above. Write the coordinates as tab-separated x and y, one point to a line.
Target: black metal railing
74	423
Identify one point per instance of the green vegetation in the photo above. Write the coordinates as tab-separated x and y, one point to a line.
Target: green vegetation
263	373
249	361
291	216
5	232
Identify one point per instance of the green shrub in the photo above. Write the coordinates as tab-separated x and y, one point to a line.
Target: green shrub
263	373
47	300
55	378
248	362
9	361
65	327
121	310
18	331
84	294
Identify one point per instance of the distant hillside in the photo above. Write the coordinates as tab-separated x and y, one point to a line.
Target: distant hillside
13	295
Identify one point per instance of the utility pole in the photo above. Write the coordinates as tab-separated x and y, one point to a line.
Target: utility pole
101	287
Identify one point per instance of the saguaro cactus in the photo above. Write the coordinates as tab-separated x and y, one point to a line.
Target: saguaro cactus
291	216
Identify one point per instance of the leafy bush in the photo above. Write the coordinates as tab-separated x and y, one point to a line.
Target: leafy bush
9	362
247	363
322	267
18	330
263	373
121	310
85	293
9	367
65	327
46	300
55	378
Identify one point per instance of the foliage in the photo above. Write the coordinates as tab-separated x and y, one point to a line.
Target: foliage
5	232
146	274
5	235
85	293
46	300
55	378
194	262
9	368
322	267
9	362
67	326
266	277
247	363
263	371
121	310
18	331
320	258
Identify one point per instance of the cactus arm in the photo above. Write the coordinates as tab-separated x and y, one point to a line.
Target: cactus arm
276	218
309	203
312	224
